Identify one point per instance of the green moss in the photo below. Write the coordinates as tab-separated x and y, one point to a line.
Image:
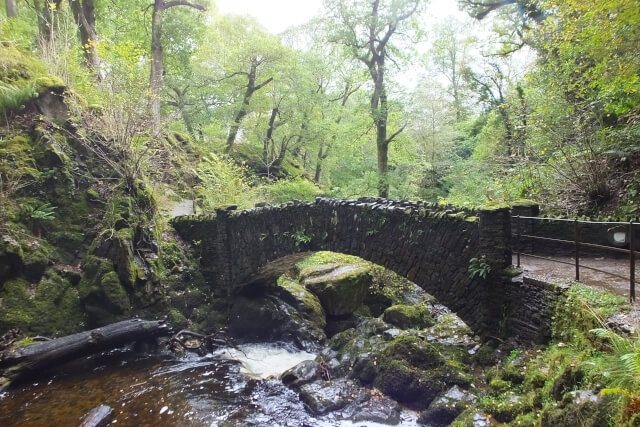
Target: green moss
524	203
45	83
51	307
113	291
584	309
177	319
408	316
415	372
307	302
506	407
323	257
498	385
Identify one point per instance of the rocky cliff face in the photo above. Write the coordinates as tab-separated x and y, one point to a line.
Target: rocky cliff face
81	243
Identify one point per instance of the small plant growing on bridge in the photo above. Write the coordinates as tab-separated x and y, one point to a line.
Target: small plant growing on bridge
479	267
300	237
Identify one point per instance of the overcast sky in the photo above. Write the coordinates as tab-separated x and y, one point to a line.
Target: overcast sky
278	15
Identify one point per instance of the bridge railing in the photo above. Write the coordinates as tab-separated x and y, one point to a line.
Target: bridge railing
621	236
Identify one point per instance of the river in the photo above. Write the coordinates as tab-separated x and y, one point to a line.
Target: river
231	387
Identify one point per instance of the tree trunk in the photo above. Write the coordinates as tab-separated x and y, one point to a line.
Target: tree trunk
156	78
12	8
46	14
37	357
157	66
382	144
269	137
85	17
383	161
322	154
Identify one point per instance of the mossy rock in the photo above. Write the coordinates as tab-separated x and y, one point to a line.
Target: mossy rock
115	294
581	408
11	255
412	371
51	307
341	290
177	319
506	407
408	316
103	295
306	302
570	378
498	385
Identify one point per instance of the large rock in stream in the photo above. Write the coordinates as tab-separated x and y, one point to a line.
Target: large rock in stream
340	288
286	312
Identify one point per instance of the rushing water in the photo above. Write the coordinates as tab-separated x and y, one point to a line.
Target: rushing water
233	387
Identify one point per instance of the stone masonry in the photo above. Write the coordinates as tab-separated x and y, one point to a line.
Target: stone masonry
428	244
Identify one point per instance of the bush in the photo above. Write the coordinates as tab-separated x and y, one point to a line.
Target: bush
292	189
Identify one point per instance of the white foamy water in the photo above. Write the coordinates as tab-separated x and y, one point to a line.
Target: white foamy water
264	360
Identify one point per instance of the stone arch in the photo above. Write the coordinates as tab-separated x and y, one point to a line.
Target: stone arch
428	245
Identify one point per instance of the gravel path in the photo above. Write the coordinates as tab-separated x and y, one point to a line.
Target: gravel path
549	270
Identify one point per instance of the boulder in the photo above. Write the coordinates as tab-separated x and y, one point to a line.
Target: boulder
303	373
341	289
447	407
408	316
328	396
411	371
286	312
377	409
579	407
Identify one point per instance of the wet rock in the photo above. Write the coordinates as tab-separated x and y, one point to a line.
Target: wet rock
408	316
410	370
324	397
341	289
376	409
447	407
301	374
282	313
336	325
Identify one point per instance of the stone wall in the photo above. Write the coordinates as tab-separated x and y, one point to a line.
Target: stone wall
530	308
426	243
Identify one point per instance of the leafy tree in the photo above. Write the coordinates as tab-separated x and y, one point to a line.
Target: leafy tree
365	29
157	59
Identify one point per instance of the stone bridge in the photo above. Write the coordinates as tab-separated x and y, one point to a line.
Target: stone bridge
426	243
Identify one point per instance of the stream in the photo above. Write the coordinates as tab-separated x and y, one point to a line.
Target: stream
231	387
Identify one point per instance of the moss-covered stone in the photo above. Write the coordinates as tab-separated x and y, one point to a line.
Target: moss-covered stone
506	407
411	371
50	307
408	316
115	294
103	295
341	289
303	300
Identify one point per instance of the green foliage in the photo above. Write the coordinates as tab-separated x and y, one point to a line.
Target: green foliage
479	267
621	365
13	97
222	182
285	190
301	238
43	212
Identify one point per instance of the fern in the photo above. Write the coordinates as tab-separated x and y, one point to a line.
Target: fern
622	364
13	97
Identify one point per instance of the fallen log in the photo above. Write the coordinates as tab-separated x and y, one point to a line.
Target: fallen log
20	361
